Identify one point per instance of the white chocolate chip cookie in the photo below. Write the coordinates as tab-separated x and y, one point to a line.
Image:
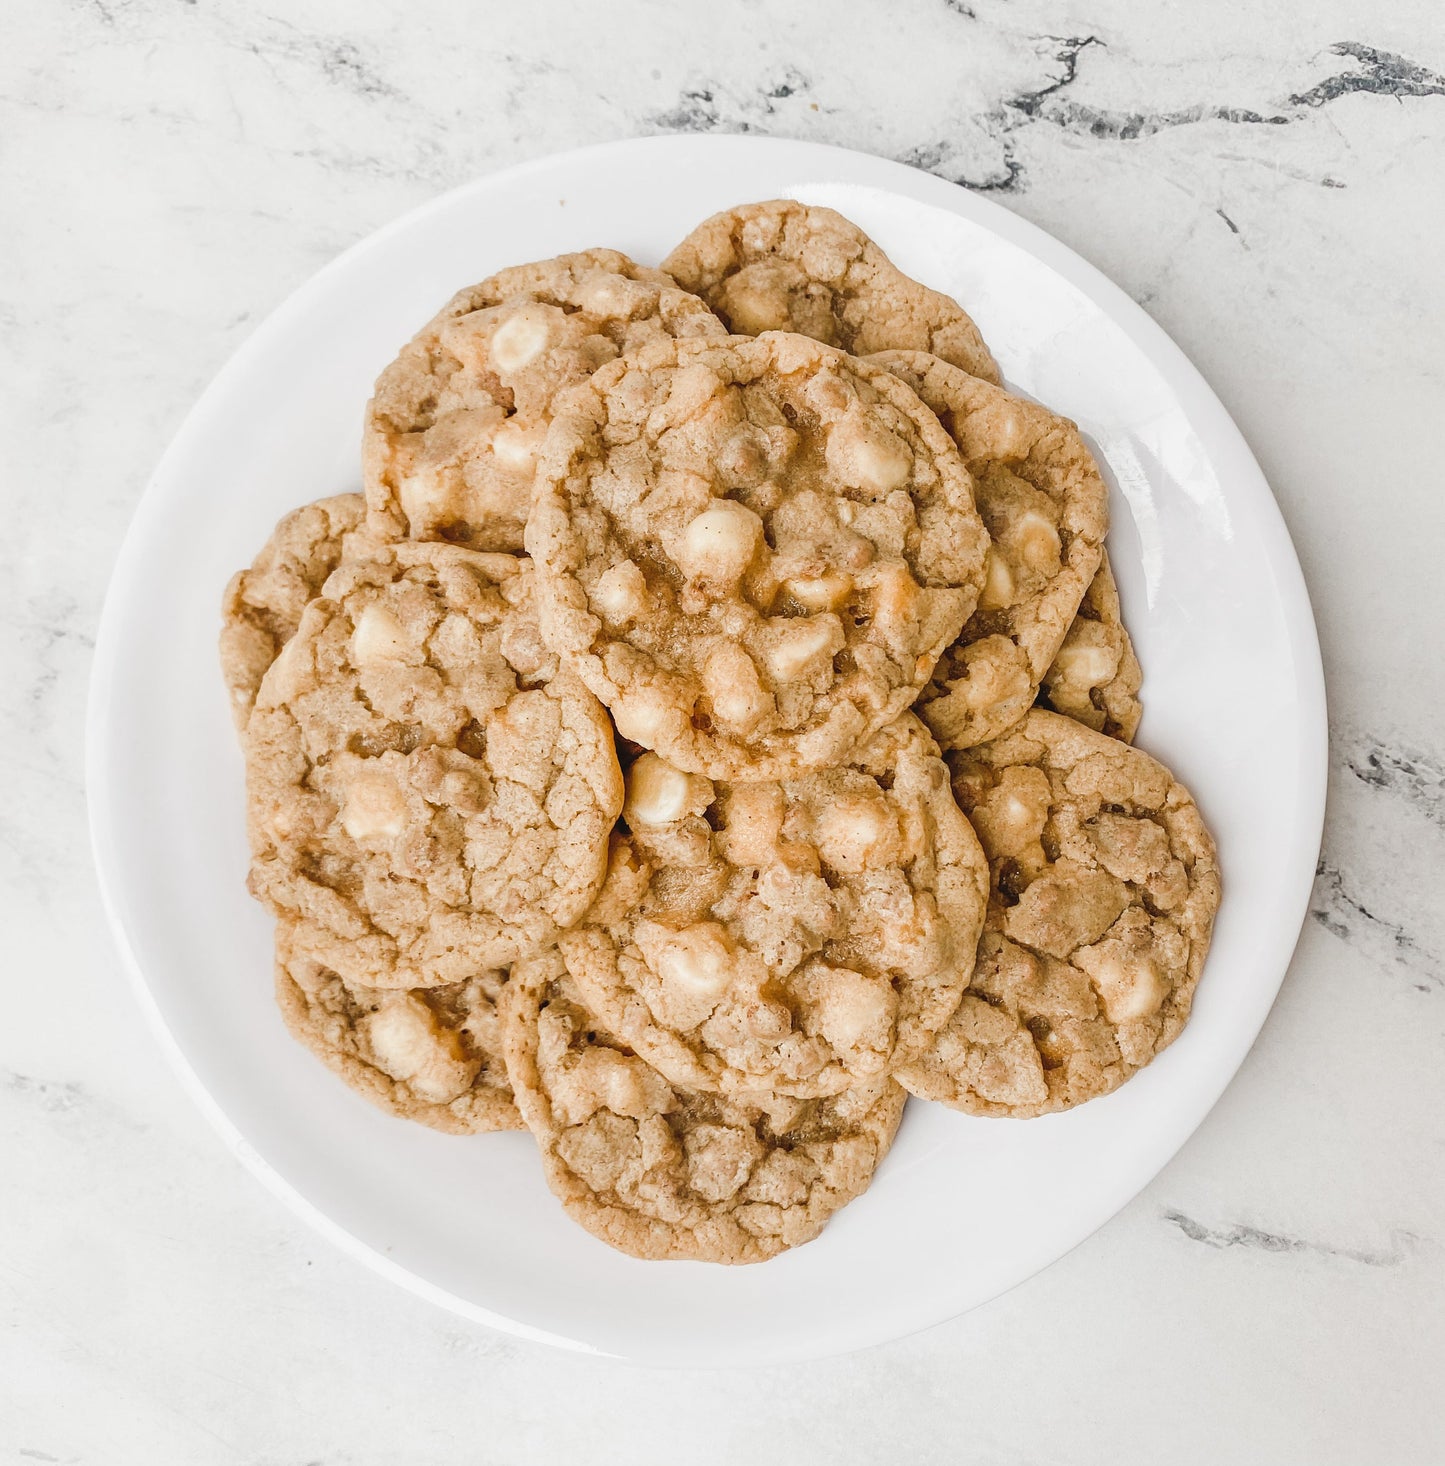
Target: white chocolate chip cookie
786	266
1046	509
1095	675
428	1054
752	551
1104	890
429	796
456	422
798	936
262	606
660	1172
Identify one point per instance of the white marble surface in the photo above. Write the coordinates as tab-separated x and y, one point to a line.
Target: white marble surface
1267	180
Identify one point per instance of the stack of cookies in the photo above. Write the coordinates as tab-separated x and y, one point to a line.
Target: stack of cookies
711	727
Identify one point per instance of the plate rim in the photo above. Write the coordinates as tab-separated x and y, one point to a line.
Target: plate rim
1203	407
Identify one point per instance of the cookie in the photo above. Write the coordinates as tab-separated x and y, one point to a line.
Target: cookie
456	421
1095	677
753	551
1046	509
429	795
432	1054
799	936
1104	890
262	606
662	1173
786	266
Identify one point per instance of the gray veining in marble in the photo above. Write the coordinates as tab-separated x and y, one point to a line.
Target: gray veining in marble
1268	180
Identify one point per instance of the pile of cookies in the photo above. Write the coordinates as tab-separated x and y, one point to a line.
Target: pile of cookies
711	727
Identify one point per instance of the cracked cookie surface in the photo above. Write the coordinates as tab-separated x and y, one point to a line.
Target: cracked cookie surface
430	1054
263	604
1103	895
1095	677
660	1172
429	794
798	936
456	421
752	551
1046	508
786	266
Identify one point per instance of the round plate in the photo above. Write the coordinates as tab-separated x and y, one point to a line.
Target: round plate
962	1208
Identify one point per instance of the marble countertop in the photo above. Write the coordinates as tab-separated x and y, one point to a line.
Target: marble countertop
1267	181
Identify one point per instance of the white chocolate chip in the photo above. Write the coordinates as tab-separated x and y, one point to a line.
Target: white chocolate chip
828	394
1129	986
756	300
607	294
895	594
379	637
720	543
633	1087
620	594
1085	664
1010	818
520	339
854	832
409	1045
602	1079
289	673
641	716
865	455
698	959
1015	813
994	673
516	447
1019	822
824	592
855	1009
1008	433
375	807
426	495
800	644
998	583
731	679
1038	541
659	794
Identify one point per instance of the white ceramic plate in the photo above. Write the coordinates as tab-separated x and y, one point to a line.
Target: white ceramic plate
962	1208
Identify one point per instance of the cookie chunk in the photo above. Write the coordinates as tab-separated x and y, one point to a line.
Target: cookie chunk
1104	890
432	1054
786	266
1046	509
798	936
660	1172
454	427
262	606
429	796
1095	676
752	551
